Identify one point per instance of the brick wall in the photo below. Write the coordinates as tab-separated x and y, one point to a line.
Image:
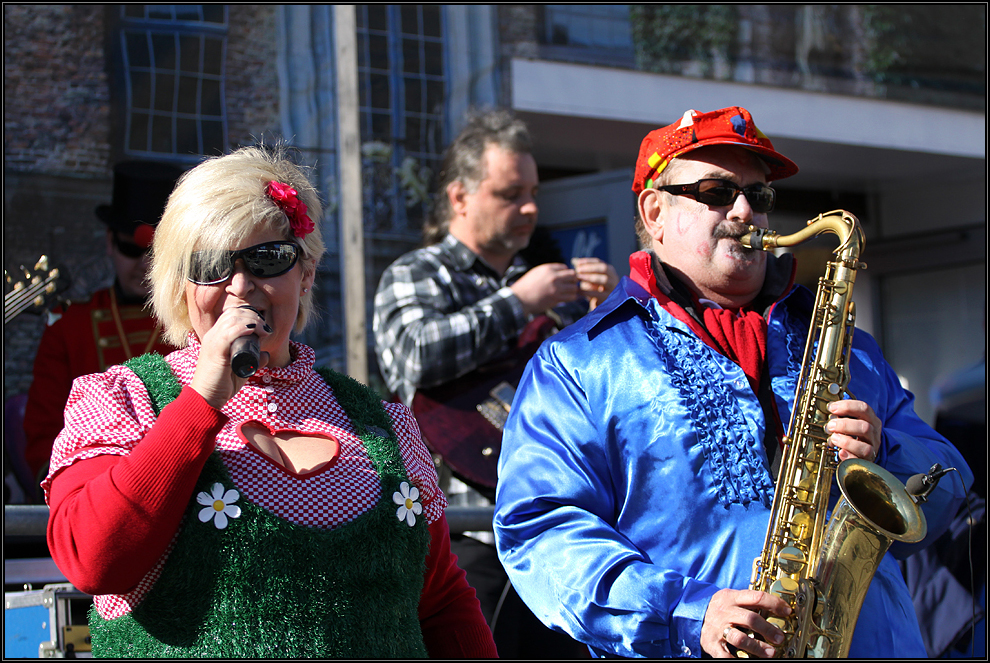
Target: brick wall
56	97
252	87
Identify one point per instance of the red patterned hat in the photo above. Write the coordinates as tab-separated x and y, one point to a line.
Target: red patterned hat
729	126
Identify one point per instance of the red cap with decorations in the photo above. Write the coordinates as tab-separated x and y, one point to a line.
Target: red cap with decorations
728	126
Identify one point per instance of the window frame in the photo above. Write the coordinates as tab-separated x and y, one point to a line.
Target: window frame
401	145
586	54
122	107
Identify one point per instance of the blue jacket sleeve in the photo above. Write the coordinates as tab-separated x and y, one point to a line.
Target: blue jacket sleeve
909	446
554	527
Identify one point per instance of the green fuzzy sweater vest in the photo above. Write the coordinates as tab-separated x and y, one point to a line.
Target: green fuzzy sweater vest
263	587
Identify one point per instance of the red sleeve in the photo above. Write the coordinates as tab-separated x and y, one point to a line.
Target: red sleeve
113	517
49	391
449	611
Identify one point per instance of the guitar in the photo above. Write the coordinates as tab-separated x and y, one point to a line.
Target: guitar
37	286
462	420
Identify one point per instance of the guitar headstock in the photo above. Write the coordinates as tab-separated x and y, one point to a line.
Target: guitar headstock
30	288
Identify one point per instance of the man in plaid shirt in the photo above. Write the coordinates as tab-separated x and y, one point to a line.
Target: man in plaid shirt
460	302
464	299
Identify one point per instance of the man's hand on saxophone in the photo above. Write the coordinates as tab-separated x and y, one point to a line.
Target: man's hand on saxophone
732	613
855	430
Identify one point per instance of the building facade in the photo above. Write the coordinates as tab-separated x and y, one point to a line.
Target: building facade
883	111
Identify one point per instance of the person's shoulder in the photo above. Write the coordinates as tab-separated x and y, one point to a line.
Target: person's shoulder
589	335
68	310
419	255
121	379
422	263
628	299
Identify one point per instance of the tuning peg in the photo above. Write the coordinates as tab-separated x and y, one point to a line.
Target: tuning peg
42	263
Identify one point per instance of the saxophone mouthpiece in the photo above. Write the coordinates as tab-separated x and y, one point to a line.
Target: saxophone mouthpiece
756	238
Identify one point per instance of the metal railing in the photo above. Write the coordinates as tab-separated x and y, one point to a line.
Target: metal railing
31	520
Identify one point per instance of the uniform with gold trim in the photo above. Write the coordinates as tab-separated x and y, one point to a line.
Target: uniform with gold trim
114	324
84	340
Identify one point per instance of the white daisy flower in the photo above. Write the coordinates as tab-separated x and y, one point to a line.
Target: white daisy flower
219	506
406	498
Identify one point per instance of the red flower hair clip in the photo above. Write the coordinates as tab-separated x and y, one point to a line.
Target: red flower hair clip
288	201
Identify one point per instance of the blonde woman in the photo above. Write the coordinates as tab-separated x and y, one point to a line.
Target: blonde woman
290	513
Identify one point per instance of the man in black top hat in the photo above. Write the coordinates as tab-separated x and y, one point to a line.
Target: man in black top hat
113	325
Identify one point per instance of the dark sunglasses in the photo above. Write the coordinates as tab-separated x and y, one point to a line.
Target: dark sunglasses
262	260
129	249
719	193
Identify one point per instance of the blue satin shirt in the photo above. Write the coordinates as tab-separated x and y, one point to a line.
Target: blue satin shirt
633	481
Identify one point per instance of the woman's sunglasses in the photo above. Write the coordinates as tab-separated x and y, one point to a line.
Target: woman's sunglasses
262	260
718	193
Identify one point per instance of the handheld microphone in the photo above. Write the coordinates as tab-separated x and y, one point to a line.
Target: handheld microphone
245	354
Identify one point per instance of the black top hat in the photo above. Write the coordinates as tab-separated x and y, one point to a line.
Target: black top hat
140	192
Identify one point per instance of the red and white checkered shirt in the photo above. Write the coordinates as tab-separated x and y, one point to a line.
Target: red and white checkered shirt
109	413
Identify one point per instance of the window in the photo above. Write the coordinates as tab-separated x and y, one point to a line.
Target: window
172	75
596	26
402	87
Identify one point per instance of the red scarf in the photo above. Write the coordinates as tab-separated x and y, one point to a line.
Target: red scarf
739	335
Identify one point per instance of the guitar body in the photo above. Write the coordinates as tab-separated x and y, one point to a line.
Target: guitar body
462	419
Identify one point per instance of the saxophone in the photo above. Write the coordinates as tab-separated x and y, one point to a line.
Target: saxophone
824	574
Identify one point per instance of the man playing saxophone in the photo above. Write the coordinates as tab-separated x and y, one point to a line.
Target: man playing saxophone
638	462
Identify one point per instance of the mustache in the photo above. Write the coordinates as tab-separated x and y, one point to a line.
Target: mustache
730	231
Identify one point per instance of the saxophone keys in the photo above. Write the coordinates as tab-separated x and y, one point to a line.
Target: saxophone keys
801	524
791	561
785	588
779	622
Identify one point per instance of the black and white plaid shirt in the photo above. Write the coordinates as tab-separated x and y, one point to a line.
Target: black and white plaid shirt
441	311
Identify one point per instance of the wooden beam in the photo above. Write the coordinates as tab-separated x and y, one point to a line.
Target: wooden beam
349	162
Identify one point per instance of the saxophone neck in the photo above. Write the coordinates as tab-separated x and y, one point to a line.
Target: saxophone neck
838	222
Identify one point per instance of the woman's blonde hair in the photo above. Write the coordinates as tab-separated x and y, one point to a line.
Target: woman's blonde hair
216	205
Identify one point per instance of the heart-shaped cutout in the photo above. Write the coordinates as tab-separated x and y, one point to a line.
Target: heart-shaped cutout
299	452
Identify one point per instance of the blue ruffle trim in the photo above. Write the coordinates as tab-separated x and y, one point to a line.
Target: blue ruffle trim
738	469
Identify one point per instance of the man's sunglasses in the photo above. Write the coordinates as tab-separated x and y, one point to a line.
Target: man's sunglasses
129	249
718	193
262	260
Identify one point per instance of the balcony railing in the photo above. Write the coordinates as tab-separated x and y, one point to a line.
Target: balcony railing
924	53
